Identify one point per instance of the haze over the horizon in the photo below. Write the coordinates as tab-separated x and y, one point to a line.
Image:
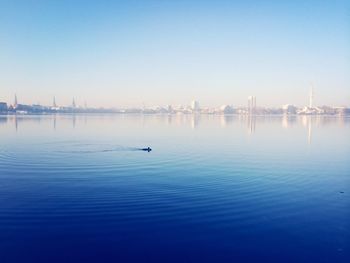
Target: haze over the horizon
126	53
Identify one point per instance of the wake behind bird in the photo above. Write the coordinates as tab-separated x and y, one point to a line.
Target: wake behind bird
96	148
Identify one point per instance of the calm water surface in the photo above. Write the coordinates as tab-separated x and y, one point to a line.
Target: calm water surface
214	189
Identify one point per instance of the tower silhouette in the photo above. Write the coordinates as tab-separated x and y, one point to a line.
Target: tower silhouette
15	104
311	98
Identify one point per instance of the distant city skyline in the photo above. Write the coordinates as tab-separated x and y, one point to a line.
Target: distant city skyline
135	53
193	104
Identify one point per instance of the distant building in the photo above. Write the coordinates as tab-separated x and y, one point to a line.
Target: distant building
15	104
169	109
328	110
342	110
195	105
36	108
160	109
10	108
289	109
227	109
311	111
3	107
251	104
21	108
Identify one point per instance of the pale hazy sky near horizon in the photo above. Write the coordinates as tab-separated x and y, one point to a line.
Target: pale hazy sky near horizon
126	53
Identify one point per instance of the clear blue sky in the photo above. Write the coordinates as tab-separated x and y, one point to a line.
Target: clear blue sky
125	53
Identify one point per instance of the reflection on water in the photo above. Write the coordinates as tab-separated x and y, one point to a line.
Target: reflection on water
309	133
249	122
231	188
289	120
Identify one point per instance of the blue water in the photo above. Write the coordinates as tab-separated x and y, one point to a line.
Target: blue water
214	189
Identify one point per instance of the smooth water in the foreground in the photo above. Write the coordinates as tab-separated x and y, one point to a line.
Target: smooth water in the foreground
214	189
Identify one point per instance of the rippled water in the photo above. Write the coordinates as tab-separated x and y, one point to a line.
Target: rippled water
214	189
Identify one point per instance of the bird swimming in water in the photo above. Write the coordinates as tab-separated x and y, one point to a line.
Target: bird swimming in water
148	149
